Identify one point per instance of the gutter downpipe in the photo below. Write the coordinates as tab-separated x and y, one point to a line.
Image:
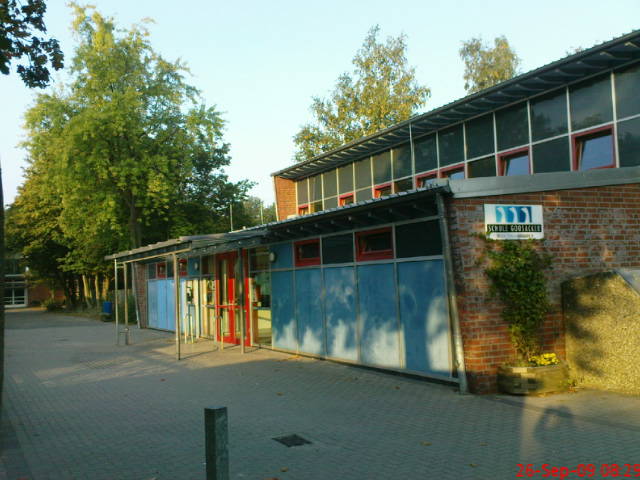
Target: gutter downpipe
176	292
453	299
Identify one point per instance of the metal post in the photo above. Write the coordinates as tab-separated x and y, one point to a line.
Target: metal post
240	301
216	441
134	288
176	292
115	299
126	306
453	301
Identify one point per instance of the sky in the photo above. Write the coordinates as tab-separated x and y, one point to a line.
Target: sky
261	62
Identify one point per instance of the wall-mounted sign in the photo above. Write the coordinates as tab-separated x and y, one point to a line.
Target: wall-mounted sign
513	222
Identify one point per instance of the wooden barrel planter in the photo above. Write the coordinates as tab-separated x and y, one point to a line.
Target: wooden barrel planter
532	380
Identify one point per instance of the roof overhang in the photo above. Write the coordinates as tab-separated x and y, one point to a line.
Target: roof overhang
576	67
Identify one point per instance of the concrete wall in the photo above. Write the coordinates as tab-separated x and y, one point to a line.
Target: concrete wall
602	314
586	230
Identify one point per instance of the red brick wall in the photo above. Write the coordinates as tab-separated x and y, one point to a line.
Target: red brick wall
285	197
141	293
586	230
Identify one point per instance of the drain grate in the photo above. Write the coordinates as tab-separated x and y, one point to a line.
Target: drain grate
292	440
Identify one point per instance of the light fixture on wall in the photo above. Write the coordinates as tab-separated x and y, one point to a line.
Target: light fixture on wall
272	257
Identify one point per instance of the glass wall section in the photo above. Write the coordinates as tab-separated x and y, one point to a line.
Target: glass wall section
485	167
627	98
337	249
451	145
403	185
330	184
402	161
516	163
364	194
418	239
551	156
382	168
549	115
479	134
315	188
590	103
345	179
303	192
512	126
363	173
260	295
330	203
426	154
629	142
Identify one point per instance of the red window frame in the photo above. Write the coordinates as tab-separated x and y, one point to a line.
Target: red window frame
342	199
161	270
362	256
305	262
424	176
182	267
593	133
503	157
442	173
303	209
377	190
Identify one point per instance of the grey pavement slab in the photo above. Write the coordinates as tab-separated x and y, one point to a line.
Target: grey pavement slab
79	407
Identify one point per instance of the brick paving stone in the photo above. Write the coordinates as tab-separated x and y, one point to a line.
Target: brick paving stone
79	407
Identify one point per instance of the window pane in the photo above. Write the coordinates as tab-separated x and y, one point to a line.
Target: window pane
591	103
169	269
363	195
315	187
382	168
308	250
151	271
551	156
456	174
594	151
485	167
479	134
363	173
418	239
316	206
338	249
330	202
375	242
451	145
426	154
345	176
629	142
512	126
627	98
516	165
402	161
259	258
549	115
403	185
329	183
303	195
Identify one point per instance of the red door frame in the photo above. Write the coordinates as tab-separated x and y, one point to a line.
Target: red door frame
233	306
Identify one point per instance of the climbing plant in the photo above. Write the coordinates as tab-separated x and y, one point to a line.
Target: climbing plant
516	271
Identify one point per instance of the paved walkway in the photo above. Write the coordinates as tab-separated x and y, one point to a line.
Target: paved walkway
78	407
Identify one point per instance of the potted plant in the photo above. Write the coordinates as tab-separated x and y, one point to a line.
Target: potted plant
516	271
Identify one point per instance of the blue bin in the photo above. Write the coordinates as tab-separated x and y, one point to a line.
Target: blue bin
107	308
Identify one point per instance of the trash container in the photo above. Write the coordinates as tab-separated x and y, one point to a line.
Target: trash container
107	311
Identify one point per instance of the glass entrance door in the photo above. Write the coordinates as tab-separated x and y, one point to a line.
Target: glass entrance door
227	304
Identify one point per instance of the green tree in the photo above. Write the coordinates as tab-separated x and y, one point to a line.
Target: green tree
381	91
20	22
485	66
125	154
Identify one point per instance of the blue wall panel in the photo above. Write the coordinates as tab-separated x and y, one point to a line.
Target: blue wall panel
424	316
169	317
283	322
284	255
162	304
309	311
152	303
340	311
379	344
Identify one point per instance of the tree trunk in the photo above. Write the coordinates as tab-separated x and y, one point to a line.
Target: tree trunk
96	286
86	291
106	281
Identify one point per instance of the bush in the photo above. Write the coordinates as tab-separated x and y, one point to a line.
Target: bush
52	305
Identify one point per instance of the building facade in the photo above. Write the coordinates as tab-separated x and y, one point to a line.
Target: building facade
374	257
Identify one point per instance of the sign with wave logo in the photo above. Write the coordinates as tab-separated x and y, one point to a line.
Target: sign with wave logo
513	222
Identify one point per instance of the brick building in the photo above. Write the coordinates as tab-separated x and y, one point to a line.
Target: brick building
373	259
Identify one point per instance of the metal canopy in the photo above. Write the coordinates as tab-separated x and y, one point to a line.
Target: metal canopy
598	59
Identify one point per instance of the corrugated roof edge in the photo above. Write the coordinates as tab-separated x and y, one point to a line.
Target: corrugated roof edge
532	73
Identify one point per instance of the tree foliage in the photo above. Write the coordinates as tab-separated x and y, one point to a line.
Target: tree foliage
485	66
125	154
21	22
381	91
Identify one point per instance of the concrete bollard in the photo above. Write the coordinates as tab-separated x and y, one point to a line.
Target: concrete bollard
216	440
